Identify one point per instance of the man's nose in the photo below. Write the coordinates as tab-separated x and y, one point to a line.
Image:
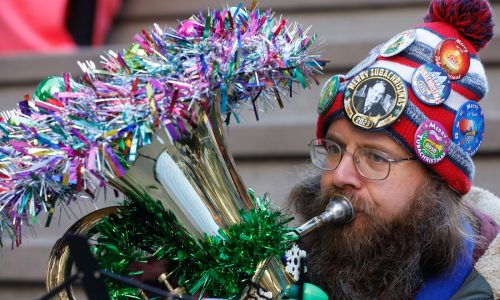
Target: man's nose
345	175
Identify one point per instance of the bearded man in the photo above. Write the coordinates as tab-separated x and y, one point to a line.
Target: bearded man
416	234
400	236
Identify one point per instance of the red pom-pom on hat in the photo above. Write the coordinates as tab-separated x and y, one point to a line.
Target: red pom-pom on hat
472	18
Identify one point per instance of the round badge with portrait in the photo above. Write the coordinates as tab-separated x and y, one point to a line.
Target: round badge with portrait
375	98
431	84
398	43
328	94
468	128
431	142
453	56
365	63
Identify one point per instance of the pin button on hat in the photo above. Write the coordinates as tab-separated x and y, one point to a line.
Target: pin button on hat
431	84
398	43
328	94
431	142
452	55
375	98
468	128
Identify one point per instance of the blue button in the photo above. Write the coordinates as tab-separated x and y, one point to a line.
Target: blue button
468	127
431	84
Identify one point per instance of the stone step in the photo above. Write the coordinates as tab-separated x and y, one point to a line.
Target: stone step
348	35
142	9
347	38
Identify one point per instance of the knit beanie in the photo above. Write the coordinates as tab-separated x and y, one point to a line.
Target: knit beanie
422	88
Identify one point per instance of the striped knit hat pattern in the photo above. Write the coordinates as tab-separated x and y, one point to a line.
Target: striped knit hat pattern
422	88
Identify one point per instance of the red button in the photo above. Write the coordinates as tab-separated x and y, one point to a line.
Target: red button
453	57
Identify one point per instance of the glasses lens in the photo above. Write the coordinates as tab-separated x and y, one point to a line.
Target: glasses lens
325	154
372	164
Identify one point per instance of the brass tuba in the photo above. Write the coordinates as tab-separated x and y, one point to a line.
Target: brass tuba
195	178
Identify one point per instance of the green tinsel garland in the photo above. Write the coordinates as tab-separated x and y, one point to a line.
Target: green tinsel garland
217	265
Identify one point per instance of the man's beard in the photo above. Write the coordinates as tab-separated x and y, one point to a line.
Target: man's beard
372	258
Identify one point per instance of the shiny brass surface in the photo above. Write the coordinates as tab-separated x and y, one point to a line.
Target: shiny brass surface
59	264
272	277
163	278
195	178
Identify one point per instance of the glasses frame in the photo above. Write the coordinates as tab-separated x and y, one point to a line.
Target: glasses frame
315	142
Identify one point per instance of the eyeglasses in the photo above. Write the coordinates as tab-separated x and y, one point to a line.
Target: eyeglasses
370	163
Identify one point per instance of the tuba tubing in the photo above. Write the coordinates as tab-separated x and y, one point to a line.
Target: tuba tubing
338	211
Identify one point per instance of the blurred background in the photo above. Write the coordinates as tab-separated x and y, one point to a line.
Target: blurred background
43	38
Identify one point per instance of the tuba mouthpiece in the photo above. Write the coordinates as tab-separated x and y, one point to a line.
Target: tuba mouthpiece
339	211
